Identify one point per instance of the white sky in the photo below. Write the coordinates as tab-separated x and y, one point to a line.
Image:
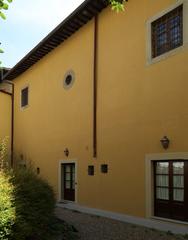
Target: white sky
27	24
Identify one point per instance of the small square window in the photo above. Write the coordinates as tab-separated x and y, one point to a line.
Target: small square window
91	170
167	32
24	97
104	168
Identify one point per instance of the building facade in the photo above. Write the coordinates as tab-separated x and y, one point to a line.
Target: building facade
103	116
5	113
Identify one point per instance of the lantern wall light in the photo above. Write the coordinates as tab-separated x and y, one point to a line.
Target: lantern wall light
165	142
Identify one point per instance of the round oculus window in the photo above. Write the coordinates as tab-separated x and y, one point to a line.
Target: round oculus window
68	79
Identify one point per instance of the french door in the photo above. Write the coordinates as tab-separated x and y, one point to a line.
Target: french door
171	189
68	181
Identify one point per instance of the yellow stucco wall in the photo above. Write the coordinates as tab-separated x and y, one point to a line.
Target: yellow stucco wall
137	105
56	118
5	118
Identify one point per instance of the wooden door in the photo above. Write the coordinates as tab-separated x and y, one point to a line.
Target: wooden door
69	181
171	189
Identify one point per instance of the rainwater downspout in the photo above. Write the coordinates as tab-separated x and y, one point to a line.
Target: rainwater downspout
95	87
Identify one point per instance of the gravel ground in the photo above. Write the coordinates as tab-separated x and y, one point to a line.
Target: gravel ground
92	227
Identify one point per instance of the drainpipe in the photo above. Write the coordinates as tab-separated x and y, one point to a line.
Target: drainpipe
95	87
12	119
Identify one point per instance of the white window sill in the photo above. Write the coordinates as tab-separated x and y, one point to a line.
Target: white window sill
167	54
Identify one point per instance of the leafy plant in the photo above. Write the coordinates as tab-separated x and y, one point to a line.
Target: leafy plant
27	202
4	5
7	208
117	5
34	202
4	164
27	205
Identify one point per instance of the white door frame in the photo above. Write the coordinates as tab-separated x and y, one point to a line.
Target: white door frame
60	179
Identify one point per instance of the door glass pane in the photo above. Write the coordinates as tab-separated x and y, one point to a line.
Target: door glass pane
67	168
68	176
162	193
162	168
178	167
73	185
178	181
178	195
162	181
73	176
67	184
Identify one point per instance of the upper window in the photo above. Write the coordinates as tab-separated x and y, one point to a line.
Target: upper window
167	32
24	97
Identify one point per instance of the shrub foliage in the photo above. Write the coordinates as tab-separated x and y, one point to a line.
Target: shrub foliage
7	209
27	205
27	202
34	205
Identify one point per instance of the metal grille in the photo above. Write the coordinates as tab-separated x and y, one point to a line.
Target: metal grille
91	170
167	32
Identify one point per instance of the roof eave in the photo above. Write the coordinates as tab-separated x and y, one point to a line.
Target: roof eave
79	17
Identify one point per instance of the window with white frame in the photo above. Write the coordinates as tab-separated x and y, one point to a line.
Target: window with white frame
167	32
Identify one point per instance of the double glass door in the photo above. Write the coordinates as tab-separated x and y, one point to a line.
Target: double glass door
171	189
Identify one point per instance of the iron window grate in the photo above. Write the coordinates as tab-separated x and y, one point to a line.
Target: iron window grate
104	168
167	32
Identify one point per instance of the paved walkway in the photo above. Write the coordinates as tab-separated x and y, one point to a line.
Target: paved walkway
92	227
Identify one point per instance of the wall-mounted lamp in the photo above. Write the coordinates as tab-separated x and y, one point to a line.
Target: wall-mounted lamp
66	152
165	142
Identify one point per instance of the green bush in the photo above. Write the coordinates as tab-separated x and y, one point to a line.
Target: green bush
27	205
34	205
27	202
7	209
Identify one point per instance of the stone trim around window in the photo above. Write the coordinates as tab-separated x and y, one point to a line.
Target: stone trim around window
150	59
